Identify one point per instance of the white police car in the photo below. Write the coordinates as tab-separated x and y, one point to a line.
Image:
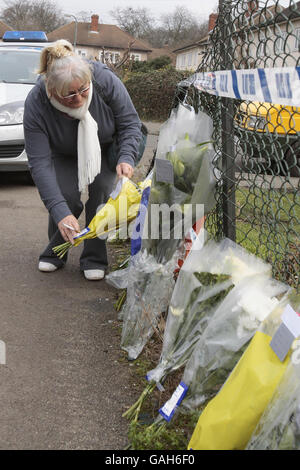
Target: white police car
19	60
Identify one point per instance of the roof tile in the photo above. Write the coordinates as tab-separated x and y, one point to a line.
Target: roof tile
108	35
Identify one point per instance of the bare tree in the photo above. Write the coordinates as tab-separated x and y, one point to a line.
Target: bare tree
182	26
16	14
178	27
123	64
137	22
27	15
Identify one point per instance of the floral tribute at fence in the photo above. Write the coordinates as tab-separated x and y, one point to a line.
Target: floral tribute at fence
221	307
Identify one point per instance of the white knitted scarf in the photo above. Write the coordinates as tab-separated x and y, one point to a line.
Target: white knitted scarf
88	147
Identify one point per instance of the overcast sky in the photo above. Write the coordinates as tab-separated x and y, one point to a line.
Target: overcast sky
201	8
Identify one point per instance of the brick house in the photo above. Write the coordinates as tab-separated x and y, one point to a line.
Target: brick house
190	56
275	37
271	38
101	41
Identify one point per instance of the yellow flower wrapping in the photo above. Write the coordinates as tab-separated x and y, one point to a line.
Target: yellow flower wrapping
116	212
229	419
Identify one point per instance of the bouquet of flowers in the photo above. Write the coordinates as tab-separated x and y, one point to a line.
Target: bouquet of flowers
249	388
226	337
121	208
150	285
208	274
119	278
150	281
279	425
186	158
188	181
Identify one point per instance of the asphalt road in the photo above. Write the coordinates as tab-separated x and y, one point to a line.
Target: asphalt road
64	385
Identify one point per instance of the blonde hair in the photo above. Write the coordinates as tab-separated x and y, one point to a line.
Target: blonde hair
60	65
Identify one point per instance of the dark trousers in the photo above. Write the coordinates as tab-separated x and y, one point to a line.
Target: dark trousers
94	254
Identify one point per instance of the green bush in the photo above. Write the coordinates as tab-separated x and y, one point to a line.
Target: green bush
153	64
153	92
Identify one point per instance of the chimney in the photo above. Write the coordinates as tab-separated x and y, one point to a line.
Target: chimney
212	21
94	23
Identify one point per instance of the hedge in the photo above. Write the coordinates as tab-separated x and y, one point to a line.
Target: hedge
149	65
153	92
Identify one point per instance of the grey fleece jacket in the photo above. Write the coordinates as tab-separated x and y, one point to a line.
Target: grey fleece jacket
49	134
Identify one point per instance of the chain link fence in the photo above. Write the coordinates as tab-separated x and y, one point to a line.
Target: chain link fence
256	142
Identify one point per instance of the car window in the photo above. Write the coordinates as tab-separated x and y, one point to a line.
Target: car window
19	66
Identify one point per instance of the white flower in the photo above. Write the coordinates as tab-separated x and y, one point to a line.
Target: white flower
256	306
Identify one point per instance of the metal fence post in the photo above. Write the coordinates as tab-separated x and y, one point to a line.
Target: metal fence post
228	147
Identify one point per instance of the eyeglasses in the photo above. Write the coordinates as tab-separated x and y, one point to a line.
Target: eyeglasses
72	95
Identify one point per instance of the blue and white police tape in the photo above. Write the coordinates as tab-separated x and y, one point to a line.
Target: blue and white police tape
279	85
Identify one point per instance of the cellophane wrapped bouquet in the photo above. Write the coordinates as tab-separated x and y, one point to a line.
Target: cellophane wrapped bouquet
122	277
187	183
121	208
250	400
185	143
227	335
279	425
209	274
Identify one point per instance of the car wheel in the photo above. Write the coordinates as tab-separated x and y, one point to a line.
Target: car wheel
292	159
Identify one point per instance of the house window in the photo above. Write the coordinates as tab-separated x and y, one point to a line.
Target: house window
297	40
116	57
110	56
81	52
261	48
189	59
195	57
183	60
280	44
135	57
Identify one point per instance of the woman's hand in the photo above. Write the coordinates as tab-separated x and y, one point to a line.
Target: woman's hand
124	169
68	233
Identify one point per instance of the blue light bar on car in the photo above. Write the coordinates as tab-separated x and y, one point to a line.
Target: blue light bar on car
25	36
